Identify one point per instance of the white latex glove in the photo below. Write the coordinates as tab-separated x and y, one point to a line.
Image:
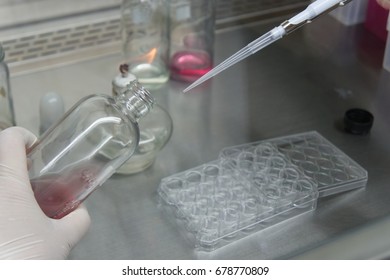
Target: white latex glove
25	231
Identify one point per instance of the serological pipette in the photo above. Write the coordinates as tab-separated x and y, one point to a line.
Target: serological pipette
311	12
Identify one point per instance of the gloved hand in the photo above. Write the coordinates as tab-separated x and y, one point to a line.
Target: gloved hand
25	231
384	3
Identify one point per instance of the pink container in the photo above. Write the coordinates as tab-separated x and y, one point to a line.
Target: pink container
376	20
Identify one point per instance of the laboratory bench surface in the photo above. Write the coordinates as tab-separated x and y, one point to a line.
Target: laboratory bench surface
304	82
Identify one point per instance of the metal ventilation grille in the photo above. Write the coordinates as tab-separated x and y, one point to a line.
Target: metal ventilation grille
235	8
62	40
82	39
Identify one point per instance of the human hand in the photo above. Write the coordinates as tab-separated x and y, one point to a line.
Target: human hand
384	3
25	231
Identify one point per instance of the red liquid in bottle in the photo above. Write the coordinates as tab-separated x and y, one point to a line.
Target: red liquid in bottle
59	194
190	65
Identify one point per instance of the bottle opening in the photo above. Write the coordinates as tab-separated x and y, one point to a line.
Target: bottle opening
137	100
138	90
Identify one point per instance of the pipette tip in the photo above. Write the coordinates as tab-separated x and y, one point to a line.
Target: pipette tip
195	84
188	88
243	53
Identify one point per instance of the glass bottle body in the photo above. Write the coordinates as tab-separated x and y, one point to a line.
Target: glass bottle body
192	38
7	116
155	129
155	132
145	39
82	151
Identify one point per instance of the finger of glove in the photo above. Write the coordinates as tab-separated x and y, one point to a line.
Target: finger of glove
72	227
13	144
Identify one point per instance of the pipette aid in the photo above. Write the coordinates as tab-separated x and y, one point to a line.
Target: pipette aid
312	11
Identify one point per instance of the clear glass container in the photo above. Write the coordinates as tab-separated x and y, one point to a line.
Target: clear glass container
78	154
192	38
145	39
155	129
7	115
155	132
51	109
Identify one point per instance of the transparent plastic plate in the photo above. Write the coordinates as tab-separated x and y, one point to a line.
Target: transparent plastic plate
316	157
256	185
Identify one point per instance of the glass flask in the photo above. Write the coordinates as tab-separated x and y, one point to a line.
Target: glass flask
145	39
78	154
7	115
192	38
155	129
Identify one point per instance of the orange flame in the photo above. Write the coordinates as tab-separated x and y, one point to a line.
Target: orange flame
149	57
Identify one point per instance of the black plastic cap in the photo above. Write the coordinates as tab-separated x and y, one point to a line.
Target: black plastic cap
358	121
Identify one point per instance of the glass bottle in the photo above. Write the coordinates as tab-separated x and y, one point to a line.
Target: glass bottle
192	38
51	109
155	129
7	115
145	39
93	139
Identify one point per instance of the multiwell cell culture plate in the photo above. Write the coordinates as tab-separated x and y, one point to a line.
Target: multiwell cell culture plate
253	186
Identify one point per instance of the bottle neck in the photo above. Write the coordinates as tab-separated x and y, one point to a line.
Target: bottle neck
135	101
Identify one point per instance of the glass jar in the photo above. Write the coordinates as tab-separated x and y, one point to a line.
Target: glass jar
7	115
145	39
155	129
78	154
192	38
